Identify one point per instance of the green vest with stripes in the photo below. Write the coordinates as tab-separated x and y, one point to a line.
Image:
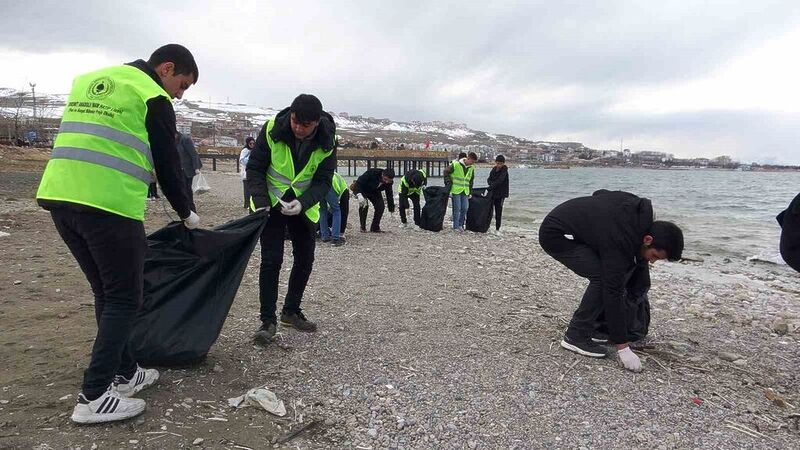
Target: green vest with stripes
101	156
460	179
339	184
413	190
281	176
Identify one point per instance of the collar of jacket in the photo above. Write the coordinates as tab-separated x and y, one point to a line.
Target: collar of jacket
323	137
144	67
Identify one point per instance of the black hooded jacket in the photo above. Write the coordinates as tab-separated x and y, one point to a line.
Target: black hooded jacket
370	184
261	158
498	182
613	224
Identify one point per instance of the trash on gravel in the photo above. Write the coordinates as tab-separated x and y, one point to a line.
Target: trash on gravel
260	398
4	234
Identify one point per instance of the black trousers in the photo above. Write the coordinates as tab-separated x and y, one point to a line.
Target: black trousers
110	251
344	206
301	233
585	262
404	206
152	190
377	203
498	211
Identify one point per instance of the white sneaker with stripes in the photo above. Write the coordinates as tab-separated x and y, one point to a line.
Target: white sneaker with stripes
143	378
109	407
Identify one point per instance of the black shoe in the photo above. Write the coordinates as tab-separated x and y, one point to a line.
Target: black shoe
377	230
297	320
326	239
265	334
584	347
338	242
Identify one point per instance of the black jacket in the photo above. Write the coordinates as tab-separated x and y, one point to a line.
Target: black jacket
190	160
498	182
789	221
261	158
415	179
613	224
369	185
160	125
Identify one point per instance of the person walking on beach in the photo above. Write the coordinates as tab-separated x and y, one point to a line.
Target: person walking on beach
602	238
190	163
498	188
460	175
95	186
368	187
244	156
289	172
411	185
331	231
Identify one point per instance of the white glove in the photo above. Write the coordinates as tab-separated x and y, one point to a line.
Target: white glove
197	171
629	359
362	202
292	208
193	221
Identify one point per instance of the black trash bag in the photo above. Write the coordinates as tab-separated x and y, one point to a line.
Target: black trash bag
789	220
190	280
432	214
479	214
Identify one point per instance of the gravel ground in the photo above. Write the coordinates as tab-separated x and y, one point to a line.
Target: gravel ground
426	340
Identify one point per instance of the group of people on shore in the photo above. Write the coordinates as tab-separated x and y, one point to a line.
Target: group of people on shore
118	133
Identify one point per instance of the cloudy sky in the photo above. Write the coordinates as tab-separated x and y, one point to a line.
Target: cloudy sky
687	77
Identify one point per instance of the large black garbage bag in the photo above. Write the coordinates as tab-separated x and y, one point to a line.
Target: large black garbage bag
190	280
479	214
432	214
789	220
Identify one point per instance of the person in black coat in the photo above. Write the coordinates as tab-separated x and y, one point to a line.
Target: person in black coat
498	188
368	186
190	163
603	237
789	221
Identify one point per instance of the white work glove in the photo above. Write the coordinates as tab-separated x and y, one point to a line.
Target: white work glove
197	171
193	221
629	359
362	202
292	208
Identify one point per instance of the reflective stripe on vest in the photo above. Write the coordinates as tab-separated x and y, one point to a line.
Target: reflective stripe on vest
101	159
460	179
109	133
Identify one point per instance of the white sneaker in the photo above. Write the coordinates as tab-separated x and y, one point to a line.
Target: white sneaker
143	378
403	225
109	407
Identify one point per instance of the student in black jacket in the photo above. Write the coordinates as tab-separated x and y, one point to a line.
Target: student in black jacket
498	188
368	186
411	185
603	238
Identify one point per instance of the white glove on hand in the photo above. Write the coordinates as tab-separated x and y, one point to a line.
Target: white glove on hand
362	202
629	359
292	208
193	221
197	171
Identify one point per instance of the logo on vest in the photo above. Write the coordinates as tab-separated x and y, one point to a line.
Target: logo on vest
100	88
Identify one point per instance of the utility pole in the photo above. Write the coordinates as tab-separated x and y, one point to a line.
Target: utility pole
33	93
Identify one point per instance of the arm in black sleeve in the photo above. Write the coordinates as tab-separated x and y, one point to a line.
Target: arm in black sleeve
448	179
498	180
257	165
614	270
320	183
471	181
160	124
390	198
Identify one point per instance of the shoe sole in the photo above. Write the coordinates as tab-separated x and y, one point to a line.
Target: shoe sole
291	325
580	351
109	417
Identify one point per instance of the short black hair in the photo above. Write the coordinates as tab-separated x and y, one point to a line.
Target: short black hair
178	55
306	108
472	156
500	158
668	237
249	139
462	155
388	172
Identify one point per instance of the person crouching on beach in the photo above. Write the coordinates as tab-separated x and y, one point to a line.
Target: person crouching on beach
602	238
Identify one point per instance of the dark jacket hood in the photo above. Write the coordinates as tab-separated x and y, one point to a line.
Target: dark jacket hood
324	136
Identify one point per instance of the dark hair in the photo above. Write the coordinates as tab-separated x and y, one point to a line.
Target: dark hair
249	139
388	172
668	237
178	55
500	158
462	155
472	156
306	108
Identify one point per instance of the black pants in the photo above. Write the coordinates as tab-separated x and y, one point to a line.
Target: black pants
585	262
377	203
301	233
344	206
498	211
110	251
404	206
152	191
246	199
191	194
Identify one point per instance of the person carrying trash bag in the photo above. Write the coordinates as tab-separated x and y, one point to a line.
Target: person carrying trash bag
411	185
603	237
334	204
459	178
95	187
289	172
368	187
498	189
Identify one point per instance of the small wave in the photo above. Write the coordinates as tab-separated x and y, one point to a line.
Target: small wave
767	256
